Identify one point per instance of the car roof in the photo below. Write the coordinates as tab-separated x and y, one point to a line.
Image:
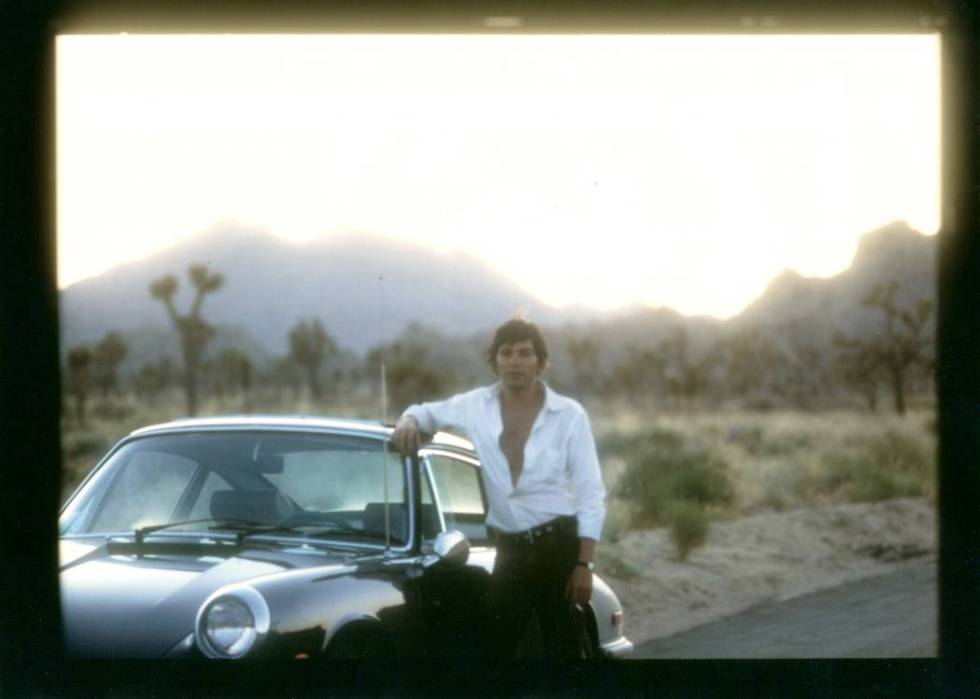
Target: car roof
312	423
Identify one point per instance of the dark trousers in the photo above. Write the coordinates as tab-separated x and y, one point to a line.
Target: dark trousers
529	579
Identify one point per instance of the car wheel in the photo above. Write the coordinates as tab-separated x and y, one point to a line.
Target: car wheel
589	640
359	641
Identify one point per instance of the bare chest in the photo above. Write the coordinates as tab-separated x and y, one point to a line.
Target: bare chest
517	424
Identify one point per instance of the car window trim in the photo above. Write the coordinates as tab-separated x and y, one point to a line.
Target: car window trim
185	503
114	476
449	454
436	501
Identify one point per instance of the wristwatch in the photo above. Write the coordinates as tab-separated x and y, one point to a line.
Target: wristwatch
588	564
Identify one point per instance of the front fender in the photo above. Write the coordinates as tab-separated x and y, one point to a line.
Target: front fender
308	608
606	606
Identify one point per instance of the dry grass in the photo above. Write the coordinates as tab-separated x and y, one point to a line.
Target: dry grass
773	461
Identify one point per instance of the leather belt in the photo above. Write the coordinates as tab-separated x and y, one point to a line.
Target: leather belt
559	525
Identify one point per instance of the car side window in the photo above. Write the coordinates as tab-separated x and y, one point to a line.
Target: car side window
459	495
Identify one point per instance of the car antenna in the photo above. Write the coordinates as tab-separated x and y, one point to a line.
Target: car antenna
384	422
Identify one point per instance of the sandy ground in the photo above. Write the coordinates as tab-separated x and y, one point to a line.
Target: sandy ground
760	558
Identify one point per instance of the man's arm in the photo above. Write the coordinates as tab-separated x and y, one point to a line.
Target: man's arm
590	510
407	437
578	589
427	417
587	488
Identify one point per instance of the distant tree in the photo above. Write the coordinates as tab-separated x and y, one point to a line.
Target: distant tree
637	376
106	357
192	330
411	374
309	346
804	377
153	377
285	375
80	377
900	344
234	374
583	350
752	362
857	364
686	375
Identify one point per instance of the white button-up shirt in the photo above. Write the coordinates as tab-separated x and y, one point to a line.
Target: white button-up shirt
561	469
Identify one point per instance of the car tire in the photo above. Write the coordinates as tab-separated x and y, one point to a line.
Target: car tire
358	641
589	645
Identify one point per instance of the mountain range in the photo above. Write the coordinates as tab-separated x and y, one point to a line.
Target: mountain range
367	290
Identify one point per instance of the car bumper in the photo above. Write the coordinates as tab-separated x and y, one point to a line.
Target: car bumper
617	648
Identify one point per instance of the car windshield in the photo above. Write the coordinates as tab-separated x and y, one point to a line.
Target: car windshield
304	484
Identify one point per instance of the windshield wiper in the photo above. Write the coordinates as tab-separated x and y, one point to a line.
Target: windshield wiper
329	524
245	529
242	527
347	529
245	532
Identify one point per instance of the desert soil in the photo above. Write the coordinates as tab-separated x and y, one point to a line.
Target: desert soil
762	558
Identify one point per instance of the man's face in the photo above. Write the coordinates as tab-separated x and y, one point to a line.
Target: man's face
517	364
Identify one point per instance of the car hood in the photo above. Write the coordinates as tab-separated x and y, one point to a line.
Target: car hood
128	605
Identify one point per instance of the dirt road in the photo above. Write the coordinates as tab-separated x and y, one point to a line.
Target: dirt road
888	616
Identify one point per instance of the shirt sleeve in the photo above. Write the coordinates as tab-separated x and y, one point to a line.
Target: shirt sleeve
588	492
439	414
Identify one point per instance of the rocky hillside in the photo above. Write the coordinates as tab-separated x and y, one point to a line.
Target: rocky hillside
367	290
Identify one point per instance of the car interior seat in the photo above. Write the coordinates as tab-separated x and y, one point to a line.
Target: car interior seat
261	506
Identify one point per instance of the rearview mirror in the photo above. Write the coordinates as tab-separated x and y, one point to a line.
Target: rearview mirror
267	463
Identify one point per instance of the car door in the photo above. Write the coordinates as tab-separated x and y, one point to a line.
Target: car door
453	598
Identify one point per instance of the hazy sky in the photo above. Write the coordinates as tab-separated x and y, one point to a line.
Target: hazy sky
668	170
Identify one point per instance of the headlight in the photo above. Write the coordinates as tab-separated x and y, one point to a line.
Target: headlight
229	627
231	621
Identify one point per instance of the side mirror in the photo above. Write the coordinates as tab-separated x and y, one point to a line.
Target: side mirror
450	549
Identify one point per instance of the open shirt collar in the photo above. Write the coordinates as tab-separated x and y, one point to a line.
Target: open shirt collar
552	401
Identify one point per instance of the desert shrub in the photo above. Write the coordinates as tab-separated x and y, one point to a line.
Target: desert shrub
756	441
748	437
876	467
760	404
617	522
688	527
614	566
782	485
112	410
785	443
662	469
84	444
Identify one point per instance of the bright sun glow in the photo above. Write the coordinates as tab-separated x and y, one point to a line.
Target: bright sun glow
683	171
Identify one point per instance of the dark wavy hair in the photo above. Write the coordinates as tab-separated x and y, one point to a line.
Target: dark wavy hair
517	330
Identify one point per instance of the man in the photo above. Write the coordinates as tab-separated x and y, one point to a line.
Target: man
545	493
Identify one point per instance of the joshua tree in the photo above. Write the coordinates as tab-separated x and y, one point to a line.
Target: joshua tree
153	377
309	345
753	361
234	371
79	366
637	375
192	330
285	376
686	376
899	345
584	352
107	356
858	365
412	375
